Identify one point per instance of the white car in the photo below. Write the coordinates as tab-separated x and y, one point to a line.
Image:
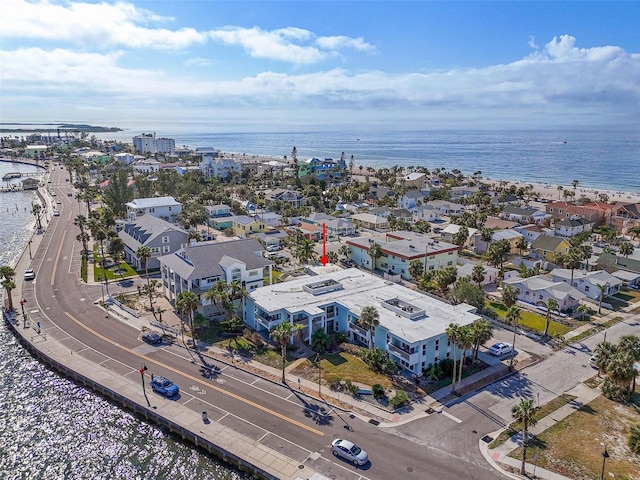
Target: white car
500	348
29	274
349	451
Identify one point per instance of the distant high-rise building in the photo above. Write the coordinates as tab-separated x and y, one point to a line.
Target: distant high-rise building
148	143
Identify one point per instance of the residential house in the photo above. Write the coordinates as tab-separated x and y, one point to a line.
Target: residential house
245	226
322	169
504	199
570	227
512	236
197	267
546	247
450	231
272	237
292	197
125	158
624	216
160	236
447	208
530	232
146	166
625	268
271	219
410	200
337	227
536	290
522	215
412	325
212	165
588	283
496	223
370	221
399	249
415	180
166	208
491	274
463	191
427	213
594	212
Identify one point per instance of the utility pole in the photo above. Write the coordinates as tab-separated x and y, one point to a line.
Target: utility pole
142	370
24	315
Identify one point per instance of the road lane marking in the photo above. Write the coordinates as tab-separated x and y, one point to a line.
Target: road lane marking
197	380
55	264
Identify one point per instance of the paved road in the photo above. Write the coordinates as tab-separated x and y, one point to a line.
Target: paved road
300	427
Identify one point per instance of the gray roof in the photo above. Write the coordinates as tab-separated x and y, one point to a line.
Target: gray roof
537	283
596	277
545	242
153	202
206	259
145	229
411	245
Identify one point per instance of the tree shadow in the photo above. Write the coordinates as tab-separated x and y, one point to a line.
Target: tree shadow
513	386
315	411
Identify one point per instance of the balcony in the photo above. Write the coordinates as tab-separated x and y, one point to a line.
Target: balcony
359	330
398	352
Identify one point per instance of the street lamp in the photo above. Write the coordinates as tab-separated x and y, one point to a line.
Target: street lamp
319	374
30	256
24	315
605	455
142	370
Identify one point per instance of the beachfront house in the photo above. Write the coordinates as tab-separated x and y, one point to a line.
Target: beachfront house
197	267
397	251
412	328
588	283
212	165
166	208
160	236
287	196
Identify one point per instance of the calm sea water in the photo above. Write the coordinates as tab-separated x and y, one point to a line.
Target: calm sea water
52	429
605	160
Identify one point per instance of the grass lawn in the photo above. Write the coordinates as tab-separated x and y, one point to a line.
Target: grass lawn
345	366
573	447
533	321
99	272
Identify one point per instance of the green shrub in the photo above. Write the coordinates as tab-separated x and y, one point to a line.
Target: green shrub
378	391
399	399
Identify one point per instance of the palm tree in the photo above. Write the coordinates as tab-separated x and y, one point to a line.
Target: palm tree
375	252
513	316
510	295
218	292
144	254
560	188
415	269
626	249
481	331
344	251
281	333
477	274
524	413
8	274
305	251
369	319
187	301
603	354
550	304
603	287
582	310
465	340
453	332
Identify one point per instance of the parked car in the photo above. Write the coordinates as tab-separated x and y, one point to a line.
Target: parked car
69	194
152	338
29	274
56	213
500	348
349	451
273	248
164	386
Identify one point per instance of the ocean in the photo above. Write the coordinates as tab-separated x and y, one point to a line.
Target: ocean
598	159
53	429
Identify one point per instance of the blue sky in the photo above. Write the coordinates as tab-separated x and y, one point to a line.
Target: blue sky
277	64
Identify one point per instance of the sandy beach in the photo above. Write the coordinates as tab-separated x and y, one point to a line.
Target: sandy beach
551	192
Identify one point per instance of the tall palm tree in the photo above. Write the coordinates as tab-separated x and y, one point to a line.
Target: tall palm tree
603	287
217	293
513	316
281	333
305	251
8	274
477	274
582	310
481	331
465	340
453	333
369	319
144	254
626	249
375	252
187	301
550	304
603	354
510	295
524	413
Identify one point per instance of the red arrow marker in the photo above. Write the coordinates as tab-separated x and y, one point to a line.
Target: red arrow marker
323	258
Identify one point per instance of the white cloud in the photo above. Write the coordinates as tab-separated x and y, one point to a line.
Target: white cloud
340	41
197	62
97	25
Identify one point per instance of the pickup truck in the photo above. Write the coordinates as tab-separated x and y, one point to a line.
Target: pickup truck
164	386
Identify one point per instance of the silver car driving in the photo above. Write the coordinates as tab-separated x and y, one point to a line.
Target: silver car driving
349	451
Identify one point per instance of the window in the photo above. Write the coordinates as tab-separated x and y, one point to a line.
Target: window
449	263
437	344
166	249
165	239
253	273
